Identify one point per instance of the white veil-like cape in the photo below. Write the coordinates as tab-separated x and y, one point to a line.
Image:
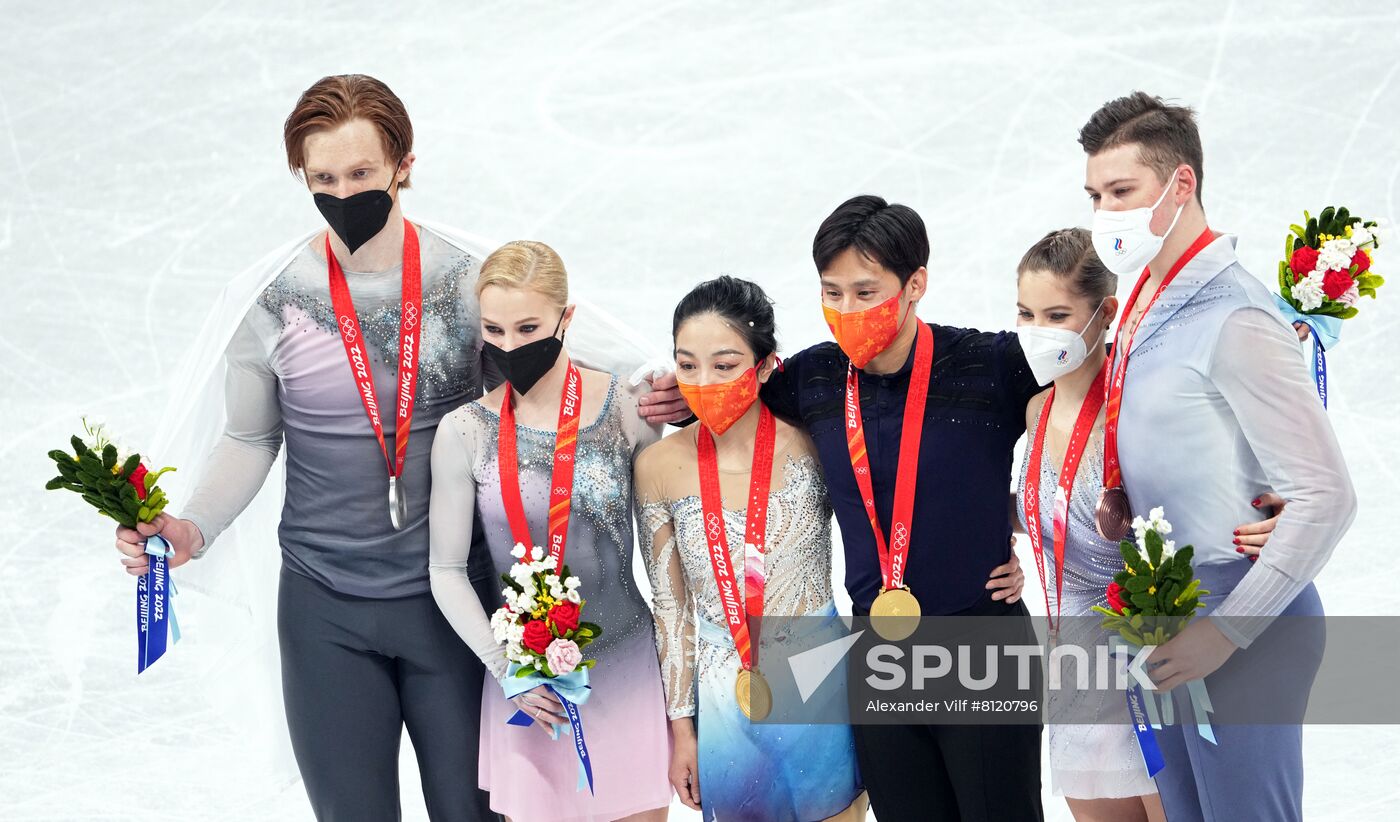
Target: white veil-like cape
228	598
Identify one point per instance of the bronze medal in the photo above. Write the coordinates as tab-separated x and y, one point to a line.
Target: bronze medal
1114	514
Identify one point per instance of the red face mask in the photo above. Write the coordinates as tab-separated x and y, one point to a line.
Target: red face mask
864	334
720	405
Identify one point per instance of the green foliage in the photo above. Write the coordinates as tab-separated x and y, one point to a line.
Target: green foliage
95	476
1159	592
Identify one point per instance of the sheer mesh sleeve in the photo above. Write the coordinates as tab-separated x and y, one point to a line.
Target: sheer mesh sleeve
1257	369
451	509
243	455
638	431
672	608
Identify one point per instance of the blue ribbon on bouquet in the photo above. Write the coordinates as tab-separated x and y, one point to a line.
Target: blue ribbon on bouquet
1326	333
156	626
1142	707
573	690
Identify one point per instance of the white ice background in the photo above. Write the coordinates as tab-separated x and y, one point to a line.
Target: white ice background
653	144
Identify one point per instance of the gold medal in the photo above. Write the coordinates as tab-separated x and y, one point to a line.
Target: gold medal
894	614
1114	514
753	694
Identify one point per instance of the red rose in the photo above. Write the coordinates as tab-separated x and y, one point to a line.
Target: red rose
564	615
537	636
1336	283
1115	599
1362	261
138	479
1303	262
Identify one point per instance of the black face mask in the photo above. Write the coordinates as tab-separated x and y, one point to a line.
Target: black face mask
524	366
357	218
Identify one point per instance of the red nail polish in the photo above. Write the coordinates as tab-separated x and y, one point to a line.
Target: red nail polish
1237	540
1239	550
1237	533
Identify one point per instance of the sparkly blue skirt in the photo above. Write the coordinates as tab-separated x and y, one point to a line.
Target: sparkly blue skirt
764	770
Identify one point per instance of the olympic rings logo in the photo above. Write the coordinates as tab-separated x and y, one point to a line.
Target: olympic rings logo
348	328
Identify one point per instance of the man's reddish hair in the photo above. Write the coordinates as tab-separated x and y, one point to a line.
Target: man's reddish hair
336	100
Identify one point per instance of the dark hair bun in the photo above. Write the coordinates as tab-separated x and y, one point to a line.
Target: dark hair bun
740	302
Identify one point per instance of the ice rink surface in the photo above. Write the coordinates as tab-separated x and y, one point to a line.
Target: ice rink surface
653	144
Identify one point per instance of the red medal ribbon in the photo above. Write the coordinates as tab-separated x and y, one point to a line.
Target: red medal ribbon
755	533
1074	452
349	324
894	554
1112	472
561	489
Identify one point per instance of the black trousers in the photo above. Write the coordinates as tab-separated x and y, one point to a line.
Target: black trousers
954	773
355	672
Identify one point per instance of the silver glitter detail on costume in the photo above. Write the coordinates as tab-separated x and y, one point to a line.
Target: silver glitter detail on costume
450	331
599	549
1088	759
797	565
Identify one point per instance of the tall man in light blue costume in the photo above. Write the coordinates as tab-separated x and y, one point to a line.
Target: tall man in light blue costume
1216	406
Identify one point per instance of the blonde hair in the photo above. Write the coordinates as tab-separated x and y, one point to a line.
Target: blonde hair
526	264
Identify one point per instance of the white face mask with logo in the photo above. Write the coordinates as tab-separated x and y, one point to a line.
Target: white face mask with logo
1124	240
1054	352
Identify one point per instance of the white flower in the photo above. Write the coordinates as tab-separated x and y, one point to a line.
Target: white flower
518	551
521	573
573	597
537	553
1360	234
1335	255
1308	292
500	624
1164	527
551	563
572	583
1155	515
1139	526
1168	547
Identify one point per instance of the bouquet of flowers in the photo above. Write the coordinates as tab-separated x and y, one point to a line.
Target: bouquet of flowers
540	621
1325	272
1326	268
540	625
1149	602
121	487
118	485
1155	584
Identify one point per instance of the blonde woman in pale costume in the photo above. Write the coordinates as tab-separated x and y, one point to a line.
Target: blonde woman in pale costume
525	313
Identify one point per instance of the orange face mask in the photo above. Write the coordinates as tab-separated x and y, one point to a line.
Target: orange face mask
720	405
864	334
